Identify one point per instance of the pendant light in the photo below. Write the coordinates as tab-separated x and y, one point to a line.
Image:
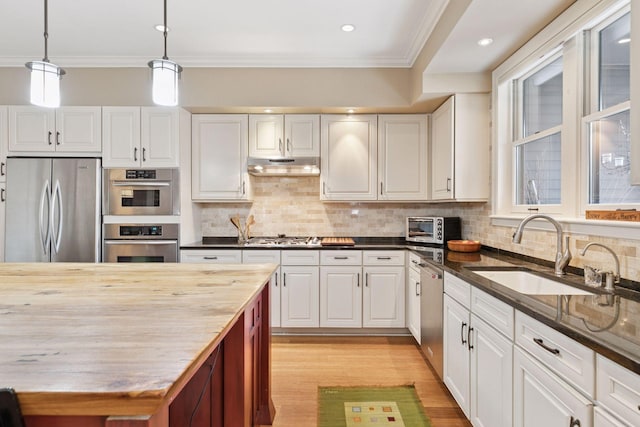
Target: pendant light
45	76
165	74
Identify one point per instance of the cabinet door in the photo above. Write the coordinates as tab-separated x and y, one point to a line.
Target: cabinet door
32	129
349	157
442	134
542	399
300	296
383	298
160	137
413	303
4	143
266	135
121	137
302	135
3	209
79	130
491	376
456	373
262	256
602	418
219	156
211	256
340	297
402	157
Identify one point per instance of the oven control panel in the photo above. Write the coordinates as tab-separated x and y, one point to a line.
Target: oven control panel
141	231
140	174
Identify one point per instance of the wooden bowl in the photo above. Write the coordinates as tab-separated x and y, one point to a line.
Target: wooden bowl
464	245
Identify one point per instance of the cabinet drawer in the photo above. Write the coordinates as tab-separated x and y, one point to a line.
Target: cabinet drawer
569	359
383	257
260	256
457	289
618	389
230	256
414	261
497	313
300	257
332	257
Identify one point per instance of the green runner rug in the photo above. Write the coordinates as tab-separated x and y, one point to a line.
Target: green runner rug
370	406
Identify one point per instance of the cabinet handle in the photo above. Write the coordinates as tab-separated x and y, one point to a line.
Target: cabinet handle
358	280
57	138
541	343
324	188
469	335
2	196
574	422
284	280
243	188
366	280
288	145
49	138
144	154
2	166
280	144
417	289
464	325
276	284
448	184
384	258
381	188
340	257
211	257
415	262
135	154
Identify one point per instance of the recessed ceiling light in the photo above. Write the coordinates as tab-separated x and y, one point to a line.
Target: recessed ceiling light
351	111
268	110
160	28
347	28
485	42
624	40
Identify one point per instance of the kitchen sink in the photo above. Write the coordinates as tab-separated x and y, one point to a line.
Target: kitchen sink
530	283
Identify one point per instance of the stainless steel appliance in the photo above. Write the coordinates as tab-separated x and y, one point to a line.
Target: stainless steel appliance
53	210
431	311
283	241
141	192
432	229
141	242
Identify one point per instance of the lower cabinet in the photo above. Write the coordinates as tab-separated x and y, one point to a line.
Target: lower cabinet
340	296
413	299
540	398
602	418
211	256
383	297
268	256
3	207
300	296
457	369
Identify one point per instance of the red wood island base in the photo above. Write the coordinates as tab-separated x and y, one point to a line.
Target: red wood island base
115	345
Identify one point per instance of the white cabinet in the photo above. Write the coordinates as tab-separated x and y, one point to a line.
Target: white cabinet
62	130
349	157
300	291
141	137
219	157
618	390
460	149
383	298
341	288
211	256
478	348
3	207
403	159
540	398
290	135
268	256
413	296
602	418
4	143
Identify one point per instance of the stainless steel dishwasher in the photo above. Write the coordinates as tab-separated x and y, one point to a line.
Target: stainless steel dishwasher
431	303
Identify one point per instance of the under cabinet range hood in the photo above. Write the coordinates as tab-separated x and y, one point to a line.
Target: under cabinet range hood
286	166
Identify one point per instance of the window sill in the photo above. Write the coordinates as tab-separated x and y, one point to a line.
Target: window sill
615	229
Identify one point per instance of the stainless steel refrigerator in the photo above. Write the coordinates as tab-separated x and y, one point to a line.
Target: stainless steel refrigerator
53	210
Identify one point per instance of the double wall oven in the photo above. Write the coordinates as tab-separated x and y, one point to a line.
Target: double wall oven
141	208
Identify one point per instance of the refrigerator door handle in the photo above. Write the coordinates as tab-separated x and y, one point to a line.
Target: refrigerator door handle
57	202
45	237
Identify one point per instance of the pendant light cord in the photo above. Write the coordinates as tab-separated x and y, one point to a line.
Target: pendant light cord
165	30
46	30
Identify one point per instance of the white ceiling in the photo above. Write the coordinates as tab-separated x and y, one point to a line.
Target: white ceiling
267	33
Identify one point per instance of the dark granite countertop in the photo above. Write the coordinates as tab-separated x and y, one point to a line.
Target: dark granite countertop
607	323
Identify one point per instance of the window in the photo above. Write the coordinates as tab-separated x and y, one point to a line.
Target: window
608	123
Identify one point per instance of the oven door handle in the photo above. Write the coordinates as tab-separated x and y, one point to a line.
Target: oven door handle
140	242
140	184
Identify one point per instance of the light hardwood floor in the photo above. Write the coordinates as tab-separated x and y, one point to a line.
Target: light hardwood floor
301	364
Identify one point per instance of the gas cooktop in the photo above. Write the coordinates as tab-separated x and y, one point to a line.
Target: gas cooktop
283	241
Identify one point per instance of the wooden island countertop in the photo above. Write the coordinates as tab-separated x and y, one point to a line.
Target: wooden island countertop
116	340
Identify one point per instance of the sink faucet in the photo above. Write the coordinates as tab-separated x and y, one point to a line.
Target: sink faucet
610	278
563	255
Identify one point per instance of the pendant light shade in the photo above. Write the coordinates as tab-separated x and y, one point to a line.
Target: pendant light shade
165	74
45	76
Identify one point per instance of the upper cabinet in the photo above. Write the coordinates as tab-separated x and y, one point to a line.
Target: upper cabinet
290	135
349	156
4	144
403	158
62	130
460	149
219	157
141	137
